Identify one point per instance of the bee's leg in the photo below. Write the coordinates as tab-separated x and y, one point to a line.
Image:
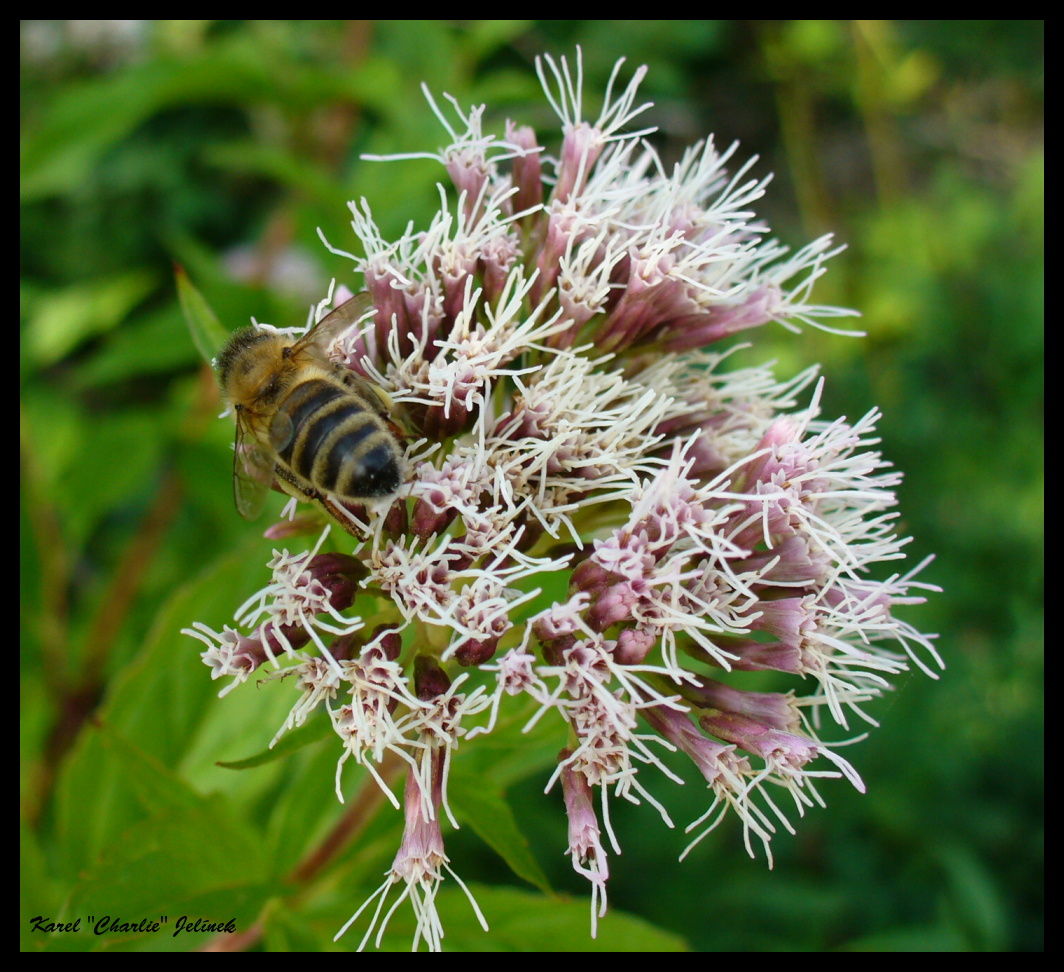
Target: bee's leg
350	519
294	485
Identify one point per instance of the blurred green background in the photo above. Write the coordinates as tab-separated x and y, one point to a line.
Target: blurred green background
223	146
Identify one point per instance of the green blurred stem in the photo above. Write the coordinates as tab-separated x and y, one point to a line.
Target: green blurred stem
798	127
44	521
872	41
795	101
78	698
132	570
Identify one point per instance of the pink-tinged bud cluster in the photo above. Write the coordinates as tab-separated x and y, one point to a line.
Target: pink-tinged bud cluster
527	170
545	342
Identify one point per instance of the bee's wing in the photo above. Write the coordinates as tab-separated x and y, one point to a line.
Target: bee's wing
252	473
338	320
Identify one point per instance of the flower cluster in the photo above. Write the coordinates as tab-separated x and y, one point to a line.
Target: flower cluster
547	342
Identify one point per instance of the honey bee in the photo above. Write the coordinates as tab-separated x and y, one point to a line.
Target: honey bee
321	431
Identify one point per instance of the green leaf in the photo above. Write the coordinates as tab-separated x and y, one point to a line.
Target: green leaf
975	899
86	119
491	818
508	754
207	332
304	812
915	938
38	895
186	854
158	343
292	741
520	921
287	931
487	36
62	320
165	700
113	469
283	166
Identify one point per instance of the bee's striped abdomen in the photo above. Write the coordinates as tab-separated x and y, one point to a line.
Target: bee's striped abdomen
338	444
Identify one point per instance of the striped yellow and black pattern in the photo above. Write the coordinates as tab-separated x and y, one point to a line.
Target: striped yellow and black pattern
336	441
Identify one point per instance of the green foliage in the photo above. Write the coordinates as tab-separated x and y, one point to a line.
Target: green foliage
207	332
224	146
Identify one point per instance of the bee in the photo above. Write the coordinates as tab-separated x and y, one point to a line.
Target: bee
321	431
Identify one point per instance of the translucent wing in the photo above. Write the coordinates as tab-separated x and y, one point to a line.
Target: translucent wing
333	324
252	472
